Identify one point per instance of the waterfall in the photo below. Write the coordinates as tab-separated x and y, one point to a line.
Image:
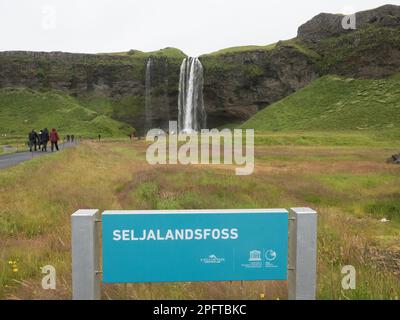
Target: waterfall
191	112
148	89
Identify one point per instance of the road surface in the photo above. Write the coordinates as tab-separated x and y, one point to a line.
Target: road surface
12	159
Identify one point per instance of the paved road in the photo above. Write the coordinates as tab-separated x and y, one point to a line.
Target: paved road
12	159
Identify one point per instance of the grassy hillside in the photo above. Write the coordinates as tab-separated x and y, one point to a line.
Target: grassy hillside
241	49
22	110
168	52
333	103
270	47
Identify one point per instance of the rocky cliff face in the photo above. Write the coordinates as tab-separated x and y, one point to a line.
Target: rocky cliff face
75	73
372	50
326	25
240	84
237	84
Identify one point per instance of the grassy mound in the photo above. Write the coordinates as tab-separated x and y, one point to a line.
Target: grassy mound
333	103
22	110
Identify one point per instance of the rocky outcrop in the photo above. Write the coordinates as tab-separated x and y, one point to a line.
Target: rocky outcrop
326	25
322	26
372	50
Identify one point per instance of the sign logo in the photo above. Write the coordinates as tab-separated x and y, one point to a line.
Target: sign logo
212	259
270	255
255	255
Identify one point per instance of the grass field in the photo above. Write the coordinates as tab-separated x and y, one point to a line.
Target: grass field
334	103
351	186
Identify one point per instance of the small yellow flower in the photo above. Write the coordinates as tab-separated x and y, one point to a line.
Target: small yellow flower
10	262
262	295
15	270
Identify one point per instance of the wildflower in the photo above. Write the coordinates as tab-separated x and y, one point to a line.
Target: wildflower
15	270
262	295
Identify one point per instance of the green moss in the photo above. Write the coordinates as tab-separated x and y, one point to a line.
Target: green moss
294	43
166	52
234	50
302	48
340	52
128	108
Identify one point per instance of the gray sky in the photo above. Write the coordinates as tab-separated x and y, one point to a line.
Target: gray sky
196	27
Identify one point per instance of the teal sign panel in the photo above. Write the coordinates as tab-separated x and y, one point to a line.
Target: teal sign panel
194	245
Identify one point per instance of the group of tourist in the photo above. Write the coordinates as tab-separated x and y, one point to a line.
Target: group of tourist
39	140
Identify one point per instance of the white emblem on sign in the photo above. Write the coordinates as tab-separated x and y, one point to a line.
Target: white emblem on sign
212	258
270	255
255	255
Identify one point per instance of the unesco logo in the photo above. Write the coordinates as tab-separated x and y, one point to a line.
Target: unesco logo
255	255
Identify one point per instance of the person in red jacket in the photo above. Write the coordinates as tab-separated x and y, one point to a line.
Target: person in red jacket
54	139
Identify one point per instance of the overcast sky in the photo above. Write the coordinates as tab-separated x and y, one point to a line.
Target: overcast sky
196	27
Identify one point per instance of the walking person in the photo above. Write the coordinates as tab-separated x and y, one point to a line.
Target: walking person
72	138
99	136
68	138
40	140
54	138
45	139
33	138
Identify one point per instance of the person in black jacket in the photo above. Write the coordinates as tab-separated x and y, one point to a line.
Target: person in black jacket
39	142
33	140
45	139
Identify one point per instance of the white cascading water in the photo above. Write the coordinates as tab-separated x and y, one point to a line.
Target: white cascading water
191	112
148	104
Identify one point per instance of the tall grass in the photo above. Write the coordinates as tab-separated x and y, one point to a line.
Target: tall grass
351	188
